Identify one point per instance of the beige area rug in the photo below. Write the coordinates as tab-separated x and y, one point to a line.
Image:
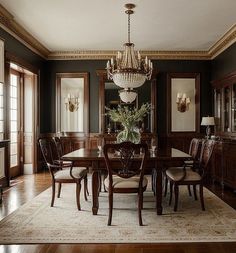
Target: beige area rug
37	222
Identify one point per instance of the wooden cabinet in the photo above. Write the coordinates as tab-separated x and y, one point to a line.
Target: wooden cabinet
225	106
224	162
229	164
216	164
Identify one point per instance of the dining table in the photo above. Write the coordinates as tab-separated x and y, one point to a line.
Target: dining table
157	161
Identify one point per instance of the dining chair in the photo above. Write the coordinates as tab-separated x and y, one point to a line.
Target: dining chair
61	172
191	175
194	152
125	165
59	153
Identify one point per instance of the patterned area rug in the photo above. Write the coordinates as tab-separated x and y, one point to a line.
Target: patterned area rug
37	222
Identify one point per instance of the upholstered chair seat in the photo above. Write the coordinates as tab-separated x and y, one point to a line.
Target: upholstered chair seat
77	172
177	174
132	182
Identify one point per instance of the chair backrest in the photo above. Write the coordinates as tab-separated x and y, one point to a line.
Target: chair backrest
194	148
47	149
59	147
206	153
125	160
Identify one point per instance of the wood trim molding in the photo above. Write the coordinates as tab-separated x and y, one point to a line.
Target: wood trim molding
107	54
170	133
84	75
8	23
223	43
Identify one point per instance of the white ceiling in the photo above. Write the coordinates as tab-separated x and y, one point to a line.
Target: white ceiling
66	25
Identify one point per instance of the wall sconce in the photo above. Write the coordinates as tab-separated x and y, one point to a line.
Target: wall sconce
208	121
182	102
72	103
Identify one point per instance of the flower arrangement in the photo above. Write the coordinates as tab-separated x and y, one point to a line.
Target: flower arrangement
128	117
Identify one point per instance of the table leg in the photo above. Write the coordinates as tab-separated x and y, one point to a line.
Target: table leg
159	191
95	190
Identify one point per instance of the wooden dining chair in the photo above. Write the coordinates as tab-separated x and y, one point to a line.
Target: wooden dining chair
191	175
61	172
57	160
194	152
125	166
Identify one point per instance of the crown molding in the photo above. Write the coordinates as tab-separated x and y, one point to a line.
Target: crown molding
8	23
223	43
105	55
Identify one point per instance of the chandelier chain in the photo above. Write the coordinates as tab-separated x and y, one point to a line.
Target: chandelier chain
128	27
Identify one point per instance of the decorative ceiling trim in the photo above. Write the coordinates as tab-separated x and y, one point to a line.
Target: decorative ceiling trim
105	54
223	43
8	23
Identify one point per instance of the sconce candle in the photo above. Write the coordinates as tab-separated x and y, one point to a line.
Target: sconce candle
182	102
72	102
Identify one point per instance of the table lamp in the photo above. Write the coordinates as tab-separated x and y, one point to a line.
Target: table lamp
208	121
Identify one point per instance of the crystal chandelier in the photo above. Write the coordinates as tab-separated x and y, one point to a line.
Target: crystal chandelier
129	70
127	95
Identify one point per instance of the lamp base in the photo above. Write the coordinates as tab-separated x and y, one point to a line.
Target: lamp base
208	132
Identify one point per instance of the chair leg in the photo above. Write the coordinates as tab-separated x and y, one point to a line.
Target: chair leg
110	208
154	182
53	193
59	190
201	196
104	177
189	191
171	190
85	188
166	186
140	207
87	191
78	188
176	188
195	192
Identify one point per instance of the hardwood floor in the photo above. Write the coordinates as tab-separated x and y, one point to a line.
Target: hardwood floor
25	188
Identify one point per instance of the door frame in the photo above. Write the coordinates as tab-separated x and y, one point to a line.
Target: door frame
11	58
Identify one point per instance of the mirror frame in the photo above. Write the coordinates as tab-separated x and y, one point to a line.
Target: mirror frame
196	77
102	74
84	75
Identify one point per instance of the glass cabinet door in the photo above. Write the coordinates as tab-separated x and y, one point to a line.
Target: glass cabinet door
217	110
234	108
227	109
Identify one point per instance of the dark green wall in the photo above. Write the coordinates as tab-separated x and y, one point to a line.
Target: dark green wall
48	70
54	67
16	48
163	66
224	64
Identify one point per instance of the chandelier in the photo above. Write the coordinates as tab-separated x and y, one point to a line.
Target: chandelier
72	103
127	95
129	70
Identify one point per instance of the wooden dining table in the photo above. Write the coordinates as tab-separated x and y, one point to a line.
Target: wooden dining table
157	161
